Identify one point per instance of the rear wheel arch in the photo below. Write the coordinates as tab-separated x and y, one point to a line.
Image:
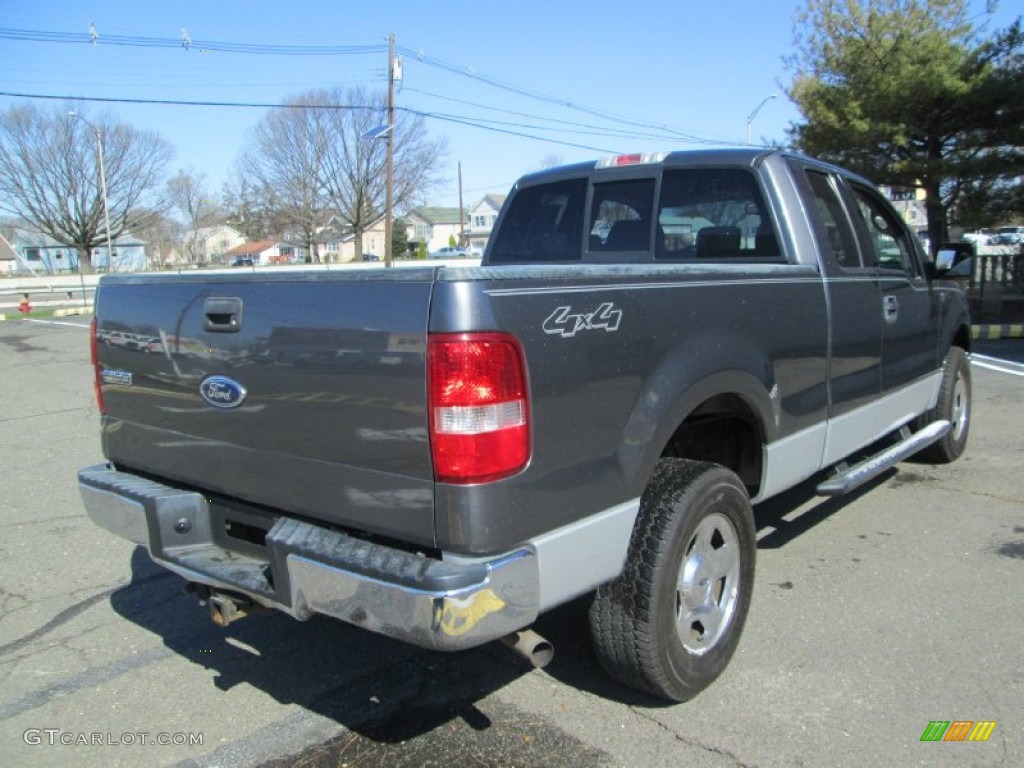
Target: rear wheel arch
726	429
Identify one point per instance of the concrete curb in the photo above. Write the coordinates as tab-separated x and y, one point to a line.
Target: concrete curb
86	310
1007	331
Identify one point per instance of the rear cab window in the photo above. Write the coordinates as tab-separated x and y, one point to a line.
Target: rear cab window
674	214
543	224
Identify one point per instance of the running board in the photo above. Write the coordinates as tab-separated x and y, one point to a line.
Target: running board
848	478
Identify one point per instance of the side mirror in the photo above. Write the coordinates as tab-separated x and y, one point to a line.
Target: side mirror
952	261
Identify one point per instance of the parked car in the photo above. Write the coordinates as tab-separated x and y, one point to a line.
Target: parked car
451	252
979	236
1008	236
243	261
371	257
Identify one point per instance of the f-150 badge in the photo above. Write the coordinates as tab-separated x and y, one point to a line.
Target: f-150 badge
222	392
566	323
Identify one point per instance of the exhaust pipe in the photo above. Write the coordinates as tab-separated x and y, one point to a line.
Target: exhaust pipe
531	646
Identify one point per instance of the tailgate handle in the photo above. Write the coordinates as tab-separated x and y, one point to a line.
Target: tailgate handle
222	315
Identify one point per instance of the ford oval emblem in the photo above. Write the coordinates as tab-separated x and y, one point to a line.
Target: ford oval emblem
222	392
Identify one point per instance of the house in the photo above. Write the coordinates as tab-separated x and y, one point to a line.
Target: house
337	242
909	203
129	255
482	218
211	244
39	253
436	227
8	256
265	252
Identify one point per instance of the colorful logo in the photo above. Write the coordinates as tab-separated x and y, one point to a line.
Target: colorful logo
222	392
958	730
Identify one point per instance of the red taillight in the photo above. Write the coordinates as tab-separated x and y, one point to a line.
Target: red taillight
478	406
94	355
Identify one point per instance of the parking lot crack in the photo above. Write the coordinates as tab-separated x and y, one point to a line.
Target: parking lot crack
67	615
689	742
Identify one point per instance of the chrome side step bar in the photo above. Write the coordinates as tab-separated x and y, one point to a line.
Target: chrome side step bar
847	478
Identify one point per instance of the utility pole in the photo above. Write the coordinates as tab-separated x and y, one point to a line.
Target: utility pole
462	221
389	180
106	205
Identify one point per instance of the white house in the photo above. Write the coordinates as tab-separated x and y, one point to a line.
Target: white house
211	244
482	218
337	242
433	226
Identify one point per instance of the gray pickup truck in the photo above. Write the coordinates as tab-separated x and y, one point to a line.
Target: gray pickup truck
651	345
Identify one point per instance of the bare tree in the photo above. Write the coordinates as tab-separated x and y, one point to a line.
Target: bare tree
187	192
355	163
316	158
286	161
49	173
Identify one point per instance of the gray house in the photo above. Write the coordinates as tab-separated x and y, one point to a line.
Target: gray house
36	252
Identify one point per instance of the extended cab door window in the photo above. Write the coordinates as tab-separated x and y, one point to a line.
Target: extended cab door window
543	223
888	240
714	213
832	227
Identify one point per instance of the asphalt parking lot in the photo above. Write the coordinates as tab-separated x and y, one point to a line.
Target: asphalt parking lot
873	615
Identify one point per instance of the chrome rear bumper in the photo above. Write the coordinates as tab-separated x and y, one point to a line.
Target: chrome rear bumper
302	569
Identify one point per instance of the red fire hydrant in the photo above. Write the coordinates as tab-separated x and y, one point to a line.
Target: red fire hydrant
23	306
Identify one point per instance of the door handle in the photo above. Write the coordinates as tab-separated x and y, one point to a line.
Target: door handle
891	306
222	315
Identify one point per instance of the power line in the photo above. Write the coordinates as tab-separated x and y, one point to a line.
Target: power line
548	98
186	42
93	37
572	125
184	102
257	105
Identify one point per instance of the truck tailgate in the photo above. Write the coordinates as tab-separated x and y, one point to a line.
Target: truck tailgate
304	392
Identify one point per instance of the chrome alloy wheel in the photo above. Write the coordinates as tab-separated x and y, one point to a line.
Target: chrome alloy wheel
961	410
708	584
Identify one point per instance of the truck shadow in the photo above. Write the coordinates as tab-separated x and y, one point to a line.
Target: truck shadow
384	690
783	518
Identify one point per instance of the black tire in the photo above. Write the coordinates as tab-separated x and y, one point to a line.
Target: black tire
954	405
670	623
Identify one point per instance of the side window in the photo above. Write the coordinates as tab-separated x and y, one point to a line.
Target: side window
831	225
714	213
620	216
888	240
543	223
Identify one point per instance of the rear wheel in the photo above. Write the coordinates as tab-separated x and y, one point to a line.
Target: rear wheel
953	405
670	623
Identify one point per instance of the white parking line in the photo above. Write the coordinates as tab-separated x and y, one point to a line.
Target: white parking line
54	322
995	364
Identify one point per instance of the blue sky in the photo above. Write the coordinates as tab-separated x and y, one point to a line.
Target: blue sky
696	68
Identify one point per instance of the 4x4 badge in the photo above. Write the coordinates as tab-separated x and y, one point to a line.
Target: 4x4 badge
566	323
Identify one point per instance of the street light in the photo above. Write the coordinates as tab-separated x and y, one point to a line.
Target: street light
752	115
103	189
